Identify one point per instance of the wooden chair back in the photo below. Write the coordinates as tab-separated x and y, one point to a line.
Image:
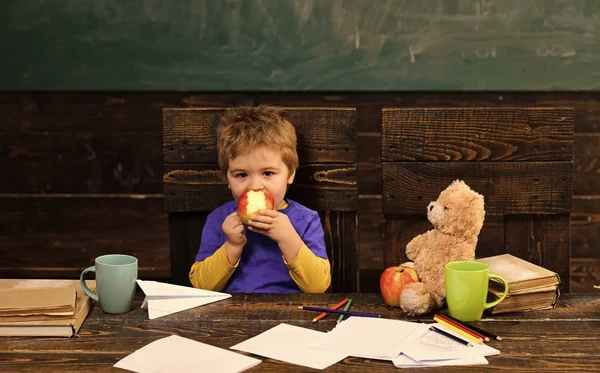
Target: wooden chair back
326	181
520	159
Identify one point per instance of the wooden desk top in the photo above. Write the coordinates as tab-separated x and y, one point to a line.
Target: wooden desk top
565	339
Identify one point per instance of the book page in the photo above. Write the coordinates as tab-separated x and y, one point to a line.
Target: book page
515	269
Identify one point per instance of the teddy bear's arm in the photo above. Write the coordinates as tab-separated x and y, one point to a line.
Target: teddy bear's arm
413	247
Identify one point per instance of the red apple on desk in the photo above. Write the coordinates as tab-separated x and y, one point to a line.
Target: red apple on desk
392	282
252	201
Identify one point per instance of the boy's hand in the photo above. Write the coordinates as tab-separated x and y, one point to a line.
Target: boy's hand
236	237
278	227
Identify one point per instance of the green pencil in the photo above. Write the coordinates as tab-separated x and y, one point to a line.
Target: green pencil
346	308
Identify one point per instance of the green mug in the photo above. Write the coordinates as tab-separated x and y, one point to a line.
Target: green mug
466	284
116	276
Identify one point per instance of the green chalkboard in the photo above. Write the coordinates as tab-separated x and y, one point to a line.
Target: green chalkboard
315	45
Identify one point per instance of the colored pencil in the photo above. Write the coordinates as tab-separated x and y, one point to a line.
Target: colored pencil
335	307
459	331
339	320
463	327
478	330
339	312
451	336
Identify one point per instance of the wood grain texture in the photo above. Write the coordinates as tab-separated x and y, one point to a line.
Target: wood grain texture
585	275
508	187
80	162
544	240
586	204
59	237
341	241
370	234
200	187
370	176
325	135
477	134
185	232
533	341
585	235
586	173
586	105
134	111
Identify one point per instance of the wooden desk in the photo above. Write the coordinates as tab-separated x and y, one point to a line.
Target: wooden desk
566	339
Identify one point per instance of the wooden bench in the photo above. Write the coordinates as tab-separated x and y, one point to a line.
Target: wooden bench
326	181
520	159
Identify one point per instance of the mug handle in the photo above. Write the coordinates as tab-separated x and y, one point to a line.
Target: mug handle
85	288
492	304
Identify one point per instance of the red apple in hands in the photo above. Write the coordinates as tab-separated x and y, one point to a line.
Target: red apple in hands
392	282
252	201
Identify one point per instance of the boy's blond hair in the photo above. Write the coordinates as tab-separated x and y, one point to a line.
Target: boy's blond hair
246	128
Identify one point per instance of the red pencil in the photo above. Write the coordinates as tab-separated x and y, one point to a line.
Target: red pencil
462	327
321	315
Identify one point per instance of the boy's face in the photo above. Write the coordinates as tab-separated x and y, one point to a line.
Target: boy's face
259	169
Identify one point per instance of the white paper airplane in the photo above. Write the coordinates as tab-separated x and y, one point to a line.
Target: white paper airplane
164	299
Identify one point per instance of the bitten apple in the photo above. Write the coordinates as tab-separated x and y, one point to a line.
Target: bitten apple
392	282
252	201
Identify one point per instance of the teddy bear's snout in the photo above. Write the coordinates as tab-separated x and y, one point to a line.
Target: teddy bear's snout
430	206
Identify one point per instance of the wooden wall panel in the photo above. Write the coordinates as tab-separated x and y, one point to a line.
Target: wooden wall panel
508	187
57	236
586	176
125	129
325	135
80	162
585	275
479	134
541	239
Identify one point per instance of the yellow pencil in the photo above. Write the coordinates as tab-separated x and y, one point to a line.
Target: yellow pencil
455	329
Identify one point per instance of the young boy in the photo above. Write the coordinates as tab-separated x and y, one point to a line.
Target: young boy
279	251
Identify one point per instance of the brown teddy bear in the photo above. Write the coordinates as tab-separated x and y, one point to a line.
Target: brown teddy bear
457	217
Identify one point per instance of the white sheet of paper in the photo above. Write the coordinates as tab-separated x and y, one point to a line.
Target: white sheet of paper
164	299
427	345
367	337
178	354
403	361
290	343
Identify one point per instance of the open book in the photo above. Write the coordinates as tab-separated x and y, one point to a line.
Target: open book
530	287
46	325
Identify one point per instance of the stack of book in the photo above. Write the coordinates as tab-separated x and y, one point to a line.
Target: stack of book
530	287
54	308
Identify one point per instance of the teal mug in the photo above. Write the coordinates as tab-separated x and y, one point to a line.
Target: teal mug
116	276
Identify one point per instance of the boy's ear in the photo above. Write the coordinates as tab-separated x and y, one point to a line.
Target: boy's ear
291	178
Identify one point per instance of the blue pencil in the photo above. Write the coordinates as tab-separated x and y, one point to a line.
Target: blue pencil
341	312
